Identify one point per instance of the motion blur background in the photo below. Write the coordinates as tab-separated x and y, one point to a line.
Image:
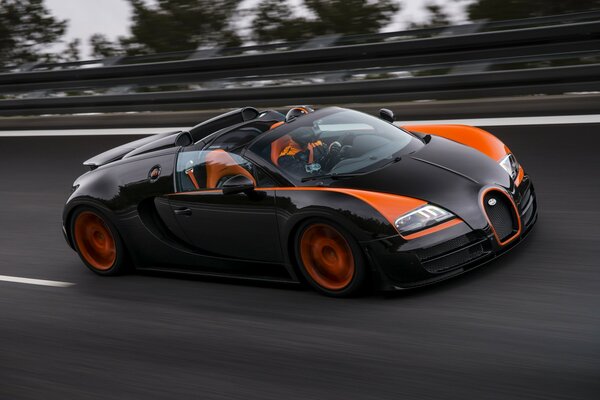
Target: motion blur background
78	77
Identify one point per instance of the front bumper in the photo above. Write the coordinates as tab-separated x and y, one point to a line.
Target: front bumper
449	253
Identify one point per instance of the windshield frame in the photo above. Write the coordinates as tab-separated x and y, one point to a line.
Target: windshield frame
414	144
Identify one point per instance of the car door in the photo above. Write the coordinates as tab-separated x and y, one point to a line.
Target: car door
240	225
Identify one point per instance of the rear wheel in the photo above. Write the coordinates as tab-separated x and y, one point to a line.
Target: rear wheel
97	242
330	259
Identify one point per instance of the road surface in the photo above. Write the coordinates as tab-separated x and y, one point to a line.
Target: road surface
526	326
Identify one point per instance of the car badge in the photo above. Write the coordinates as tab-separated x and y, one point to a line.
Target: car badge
154	173
492	202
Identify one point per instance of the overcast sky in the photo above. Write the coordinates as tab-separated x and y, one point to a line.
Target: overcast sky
111	17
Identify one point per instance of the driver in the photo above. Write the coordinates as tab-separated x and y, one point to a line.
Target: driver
305	153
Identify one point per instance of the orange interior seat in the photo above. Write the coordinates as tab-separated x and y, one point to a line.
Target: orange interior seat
220	164
277	147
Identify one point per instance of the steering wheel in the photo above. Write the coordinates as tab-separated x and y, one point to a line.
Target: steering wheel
346	140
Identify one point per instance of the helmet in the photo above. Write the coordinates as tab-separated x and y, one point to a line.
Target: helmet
304	135
297	112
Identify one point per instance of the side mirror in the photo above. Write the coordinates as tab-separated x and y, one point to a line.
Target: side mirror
386	115
237	184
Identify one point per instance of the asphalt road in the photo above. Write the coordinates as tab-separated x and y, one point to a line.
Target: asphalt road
526	326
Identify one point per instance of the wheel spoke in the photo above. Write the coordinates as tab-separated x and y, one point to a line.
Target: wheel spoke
94	241
327	257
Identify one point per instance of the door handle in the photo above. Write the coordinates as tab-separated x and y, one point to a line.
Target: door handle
182	211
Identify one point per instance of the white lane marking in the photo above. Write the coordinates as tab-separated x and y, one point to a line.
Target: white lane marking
40	282
512	121
87	132
505	121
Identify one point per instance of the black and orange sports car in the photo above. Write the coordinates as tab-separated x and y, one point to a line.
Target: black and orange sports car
336	198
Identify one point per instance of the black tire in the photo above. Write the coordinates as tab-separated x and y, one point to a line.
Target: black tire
98	242
334	247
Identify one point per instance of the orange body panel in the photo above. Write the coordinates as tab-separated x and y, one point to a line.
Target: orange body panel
470	136
434	229
391	206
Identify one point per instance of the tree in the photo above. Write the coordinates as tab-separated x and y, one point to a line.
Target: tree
26	30
275	19
437	18
173	25
102	47
512	9
71	53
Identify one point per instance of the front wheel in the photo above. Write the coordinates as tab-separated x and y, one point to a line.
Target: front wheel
330	259
97	242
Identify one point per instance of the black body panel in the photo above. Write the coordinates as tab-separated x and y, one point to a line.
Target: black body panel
250	234
443	173
117	153
222	225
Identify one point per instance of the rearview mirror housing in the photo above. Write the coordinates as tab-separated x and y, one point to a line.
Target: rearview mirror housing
386	115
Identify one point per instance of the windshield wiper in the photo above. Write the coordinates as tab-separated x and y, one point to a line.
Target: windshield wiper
348	175
328	176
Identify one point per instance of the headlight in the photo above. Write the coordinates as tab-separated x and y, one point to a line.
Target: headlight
510	165
421	218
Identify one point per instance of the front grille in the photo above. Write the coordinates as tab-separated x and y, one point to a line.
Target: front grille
452	253
451	245
525	199
455	259
528	213
501	214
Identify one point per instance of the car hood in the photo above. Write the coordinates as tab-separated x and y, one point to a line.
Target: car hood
441	172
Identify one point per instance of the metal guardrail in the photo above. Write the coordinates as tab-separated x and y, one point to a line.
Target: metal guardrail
461	86
580	40
339	41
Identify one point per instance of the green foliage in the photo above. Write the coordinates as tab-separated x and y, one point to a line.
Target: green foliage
26	30
174	25
437	18
276	20
72	51
513	9
102	47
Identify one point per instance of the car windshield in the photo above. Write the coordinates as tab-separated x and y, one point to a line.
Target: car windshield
333	142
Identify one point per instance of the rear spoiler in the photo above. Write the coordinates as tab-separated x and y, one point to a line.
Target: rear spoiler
219	122
154	142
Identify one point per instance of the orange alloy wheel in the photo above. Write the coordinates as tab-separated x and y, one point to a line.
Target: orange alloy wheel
95	241
327	257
